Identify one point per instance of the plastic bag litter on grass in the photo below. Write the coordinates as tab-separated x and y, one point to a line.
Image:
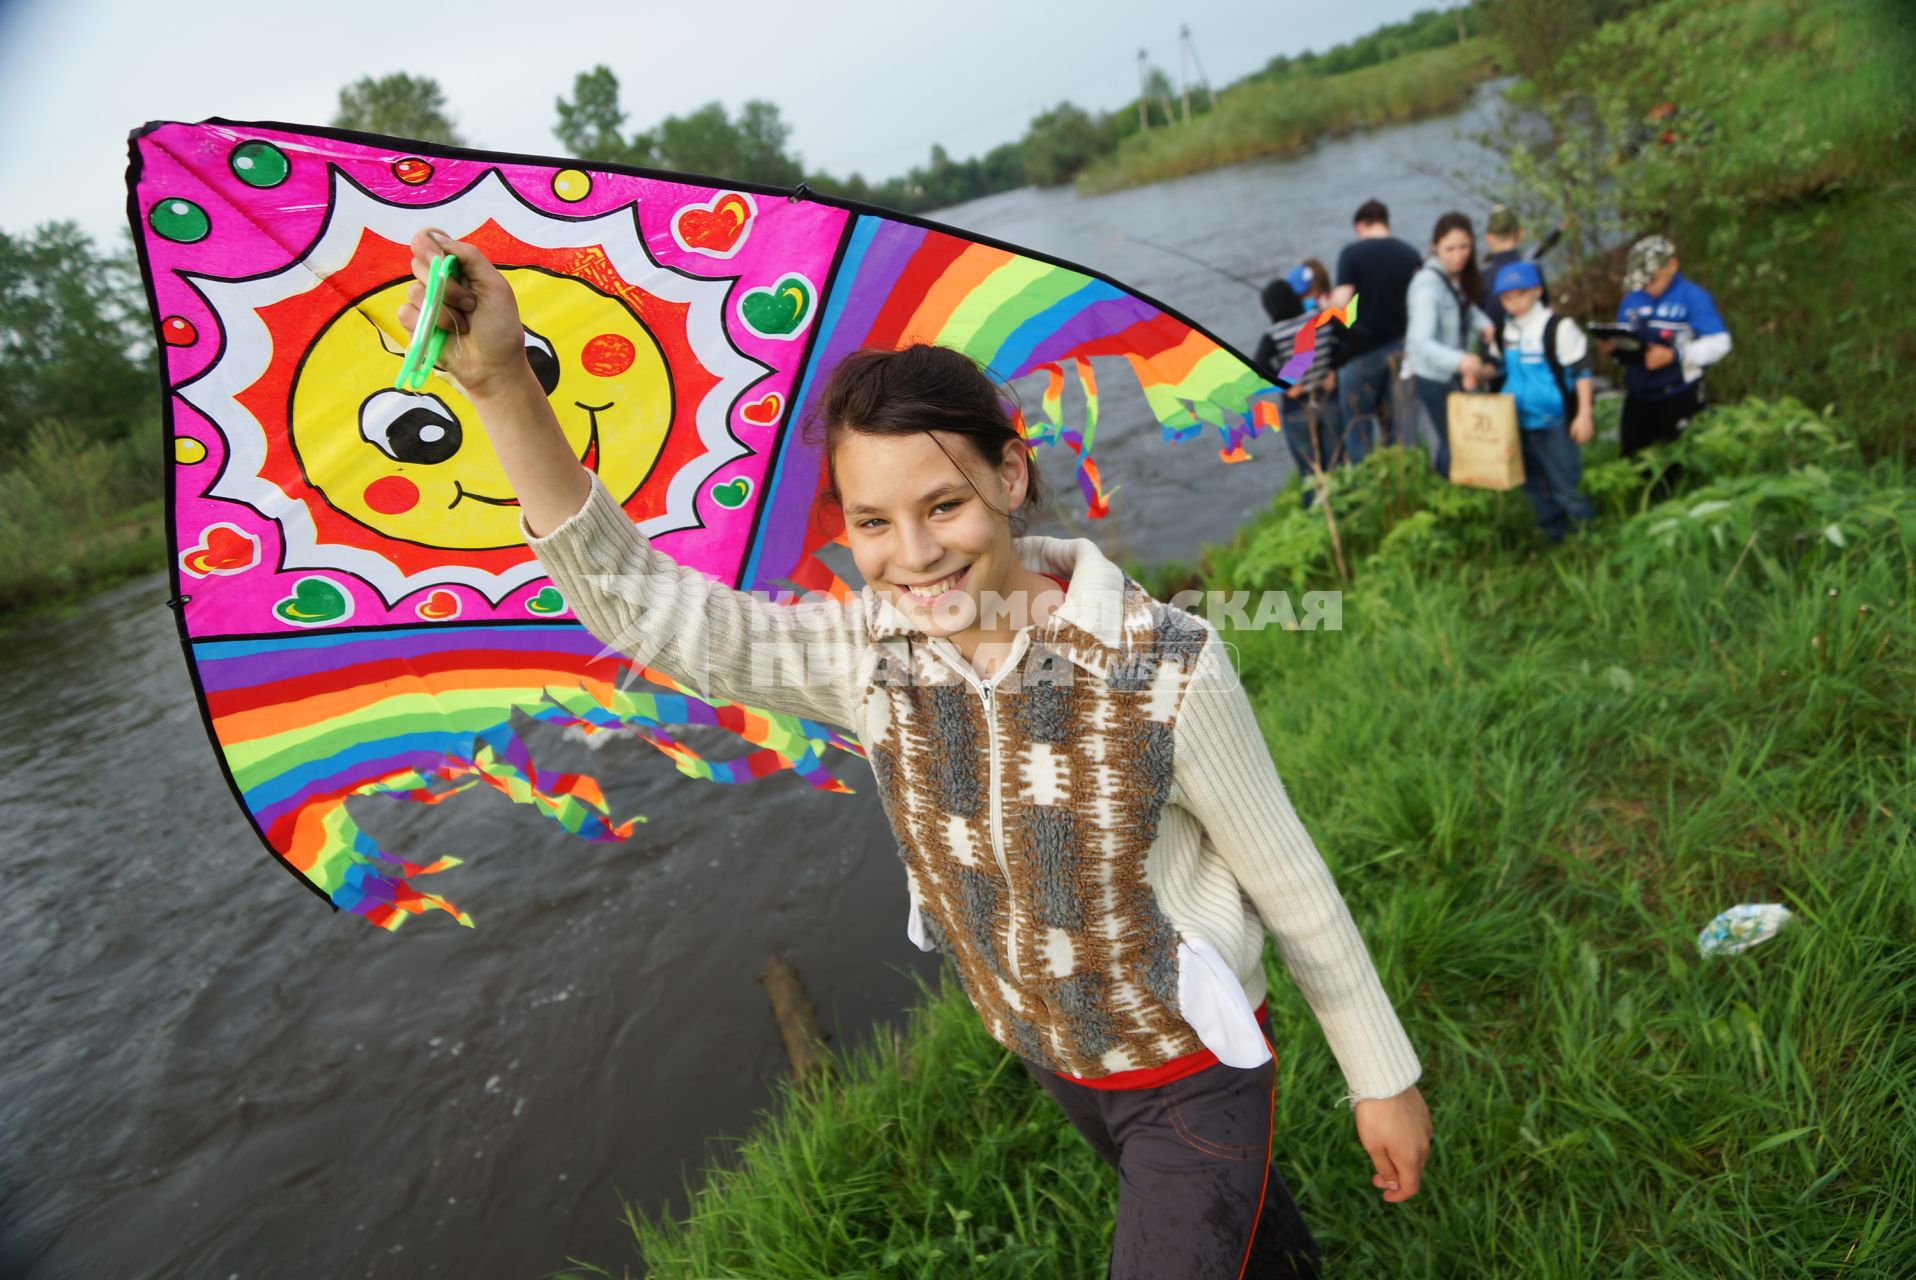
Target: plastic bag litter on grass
1742	927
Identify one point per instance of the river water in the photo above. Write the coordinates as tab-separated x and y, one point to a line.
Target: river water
179	1099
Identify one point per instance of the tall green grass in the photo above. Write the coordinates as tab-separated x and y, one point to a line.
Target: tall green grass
1536	774
1289	114
1785	170
79	514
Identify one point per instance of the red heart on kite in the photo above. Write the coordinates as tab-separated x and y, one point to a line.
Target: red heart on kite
764	411
716	229
223	549
440	604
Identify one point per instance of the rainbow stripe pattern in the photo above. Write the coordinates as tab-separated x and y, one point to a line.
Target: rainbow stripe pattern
422	713
1016	314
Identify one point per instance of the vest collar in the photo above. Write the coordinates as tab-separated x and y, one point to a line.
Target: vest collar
1093	600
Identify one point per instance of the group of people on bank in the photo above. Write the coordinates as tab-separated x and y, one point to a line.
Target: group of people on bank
1433	323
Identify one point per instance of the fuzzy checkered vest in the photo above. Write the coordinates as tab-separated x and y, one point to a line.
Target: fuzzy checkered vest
1024	810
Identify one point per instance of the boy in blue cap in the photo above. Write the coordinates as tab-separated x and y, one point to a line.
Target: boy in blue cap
1546	368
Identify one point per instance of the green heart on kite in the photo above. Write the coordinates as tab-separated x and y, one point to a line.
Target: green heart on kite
314	602
716	229
547	601
733	493
780	311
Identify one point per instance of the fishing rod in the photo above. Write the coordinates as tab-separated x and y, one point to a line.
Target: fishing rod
1542	247
1253	286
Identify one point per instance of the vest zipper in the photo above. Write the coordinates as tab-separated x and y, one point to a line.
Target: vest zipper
984	688
998	835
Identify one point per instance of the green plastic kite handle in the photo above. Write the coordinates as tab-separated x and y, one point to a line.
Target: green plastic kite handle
428	339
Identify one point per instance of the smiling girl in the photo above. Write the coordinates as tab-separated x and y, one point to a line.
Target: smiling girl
1092	828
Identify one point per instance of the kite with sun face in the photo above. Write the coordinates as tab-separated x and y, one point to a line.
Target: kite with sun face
360	612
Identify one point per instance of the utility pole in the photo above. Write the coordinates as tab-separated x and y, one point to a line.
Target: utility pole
1164	97
1144	92
1187	47
1184	71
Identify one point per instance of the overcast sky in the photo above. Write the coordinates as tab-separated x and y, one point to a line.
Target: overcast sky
864	85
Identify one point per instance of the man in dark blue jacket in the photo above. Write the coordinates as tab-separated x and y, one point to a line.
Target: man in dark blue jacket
1676	320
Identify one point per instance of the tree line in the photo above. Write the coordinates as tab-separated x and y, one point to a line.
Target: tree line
76	346
753	143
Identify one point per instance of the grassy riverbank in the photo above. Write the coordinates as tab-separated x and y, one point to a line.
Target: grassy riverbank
80	516
1536	774
1775	141
1289	114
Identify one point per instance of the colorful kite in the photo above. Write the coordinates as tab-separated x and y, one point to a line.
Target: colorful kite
360	614
1305	348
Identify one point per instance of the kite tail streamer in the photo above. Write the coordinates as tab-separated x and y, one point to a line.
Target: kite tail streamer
370	881
1016	315
785	742
1053	402
1306	349
303	738
1097	499
1078	439
1088	379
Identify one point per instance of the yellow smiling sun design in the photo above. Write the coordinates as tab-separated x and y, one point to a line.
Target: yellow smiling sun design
417	466
403	491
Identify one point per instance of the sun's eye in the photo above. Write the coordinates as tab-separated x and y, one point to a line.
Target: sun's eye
544	361
410	428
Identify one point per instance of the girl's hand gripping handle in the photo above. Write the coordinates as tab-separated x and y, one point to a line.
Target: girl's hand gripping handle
485	358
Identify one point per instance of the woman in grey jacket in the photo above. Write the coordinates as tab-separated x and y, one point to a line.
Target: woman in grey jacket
1441	317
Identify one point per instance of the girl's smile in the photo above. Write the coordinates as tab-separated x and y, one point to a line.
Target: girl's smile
930	594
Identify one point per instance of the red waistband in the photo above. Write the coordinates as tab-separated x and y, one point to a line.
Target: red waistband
1152	1077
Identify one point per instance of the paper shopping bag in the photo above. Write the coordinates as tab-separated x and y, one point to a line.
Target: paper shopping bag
1484	452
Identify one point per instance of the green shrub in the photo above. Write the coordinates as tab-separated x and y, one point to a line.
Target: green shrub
79	514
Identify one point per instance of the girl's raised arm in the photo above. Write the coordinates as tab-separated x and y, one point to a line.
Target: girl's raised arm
636	599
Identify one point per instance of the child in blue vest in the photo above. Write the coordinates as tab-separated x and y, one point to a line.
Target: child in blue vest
1546	369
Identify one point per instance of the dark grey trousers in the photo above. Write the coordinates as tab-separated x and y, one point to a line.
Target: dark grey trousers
1198	1197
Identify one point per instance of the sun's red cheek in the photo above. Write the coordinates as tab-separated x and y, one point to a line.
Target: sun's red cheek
608	355
392	495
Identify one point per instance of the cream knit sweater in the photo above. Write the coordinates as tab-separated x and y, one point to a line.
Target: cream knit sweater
1229	859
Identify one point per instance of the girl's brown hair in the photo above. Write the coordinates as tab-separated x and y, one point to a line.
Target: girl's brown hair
1320	278
1469	279
922	388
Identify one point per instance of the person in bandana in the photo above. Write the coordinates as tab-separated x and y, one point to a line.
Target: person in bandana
1682	334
